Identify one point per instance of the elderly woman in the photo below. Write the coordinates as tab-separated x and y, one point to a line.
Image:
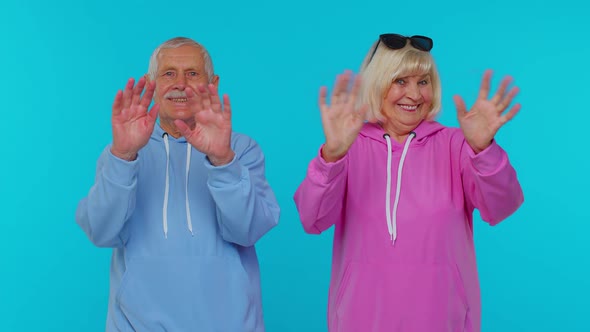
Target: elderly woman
401	189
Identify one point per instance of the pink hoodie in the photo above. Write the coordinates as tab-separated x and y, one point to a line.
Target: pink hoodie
416	270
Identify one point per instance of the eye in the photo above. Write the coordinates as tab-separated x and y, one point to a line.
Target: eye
400	81
192	73
169	73
423	82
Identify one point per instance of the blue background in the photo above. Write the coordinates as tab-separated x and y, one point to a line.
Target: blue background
62	63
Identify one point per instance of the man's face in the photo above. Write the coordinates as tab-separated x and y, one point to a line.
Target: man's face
179	69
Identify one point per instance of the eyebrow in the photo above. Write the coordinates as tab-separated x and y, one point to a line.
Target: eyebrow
176	69
411	75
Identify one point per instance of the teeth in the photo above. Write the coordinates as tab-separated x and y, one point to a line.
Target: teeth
179	100
409	107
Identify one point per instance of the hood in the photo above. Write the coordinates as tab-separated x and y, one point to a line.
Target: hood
423	131
158	135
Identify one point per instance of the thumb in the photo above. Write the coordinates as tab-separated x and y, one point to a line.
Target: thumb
368	115
183	128
363	112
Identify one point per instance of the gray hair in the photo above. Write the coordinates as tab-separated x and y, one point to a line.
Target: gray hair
174	43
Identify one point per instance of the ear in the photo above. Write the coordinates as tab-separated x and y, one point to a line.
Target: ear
215	80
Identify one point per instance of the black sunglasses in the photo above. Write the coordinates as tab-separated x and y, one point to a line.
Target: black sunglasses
396	42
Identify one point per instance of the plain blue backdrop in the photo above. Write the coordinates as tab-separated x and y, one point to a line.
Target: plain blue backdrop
62	63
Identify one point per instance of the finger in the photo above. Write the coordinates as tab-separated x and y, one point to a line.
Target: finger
147	97
356	86
118	103
183	128
128	92
203	93
194	99
322	97
502	90
346	76
340	87
334	95
508	116
336	85
153	114
484	89
137	91
226	107
507	100
460	105
349	78
214	97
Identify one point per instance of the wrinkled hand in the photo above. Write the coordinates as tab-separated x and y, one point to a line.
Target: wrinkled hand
212	132
132	124
340	120
485	118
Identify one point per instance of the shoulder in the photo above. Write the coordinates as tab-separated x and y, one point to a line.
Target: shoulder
438	132
242	141
245	146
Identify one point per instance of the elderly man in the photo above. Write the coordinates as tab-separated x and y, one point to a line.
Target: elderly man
182	202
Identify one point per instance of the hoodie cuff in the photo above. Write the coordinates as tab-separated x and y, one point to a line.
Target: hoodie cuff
230	173
327	171
488	161
121	171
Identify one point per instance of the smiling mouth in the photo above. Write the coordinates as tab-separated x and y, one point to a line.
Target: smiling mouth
409	108
178	100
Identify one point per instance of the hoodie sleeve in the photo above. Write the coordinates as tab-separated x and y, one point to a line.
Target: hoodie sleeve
110	202
320	197
490	183
246	205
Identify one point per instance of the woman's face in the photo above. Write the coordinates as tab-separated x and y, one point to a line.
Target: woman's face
407	102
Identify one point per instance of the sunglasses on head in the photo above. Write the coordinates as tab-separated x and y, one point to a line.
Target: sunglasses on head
396	42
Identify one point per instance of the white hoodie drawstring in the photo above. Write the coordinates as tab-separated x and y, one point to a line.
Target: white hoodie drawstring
189	223
392	224
165	205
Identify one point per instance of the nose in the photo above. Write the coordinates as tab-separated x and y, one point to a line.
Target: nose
180	83
413	92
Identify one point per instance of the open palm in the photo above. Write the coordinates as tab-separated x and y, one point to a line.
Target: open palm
131	122
341	120
212	132
486	116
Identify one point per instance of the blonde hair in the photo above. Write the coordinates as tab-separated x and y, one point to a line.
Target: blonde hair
384	66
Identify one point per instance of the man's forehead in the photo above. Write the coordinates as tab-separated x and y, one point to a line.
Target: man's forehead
181	53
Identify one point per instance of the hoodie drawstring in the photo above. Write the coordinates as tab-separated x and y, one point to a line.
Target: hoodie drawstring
166	190
189	223
392	224
165	207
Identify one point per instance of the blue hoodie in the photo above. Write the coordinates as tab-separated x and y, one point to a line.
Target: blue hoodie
183	235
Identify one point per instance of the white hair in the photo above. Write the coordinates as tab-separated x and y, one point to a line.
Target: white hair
174	43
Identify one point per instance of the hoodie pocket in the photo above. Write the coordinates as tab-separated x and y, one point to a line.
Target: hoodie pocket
212	293
400	297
